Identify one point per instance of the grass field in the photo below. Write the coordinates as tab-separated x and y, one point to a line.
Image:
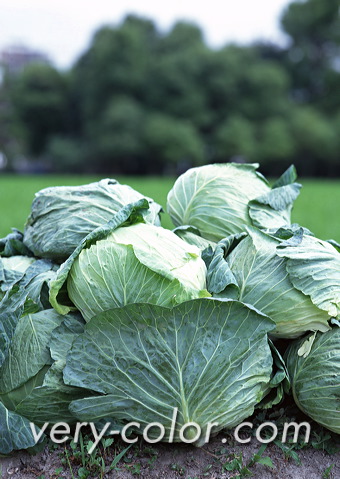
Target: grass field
316	207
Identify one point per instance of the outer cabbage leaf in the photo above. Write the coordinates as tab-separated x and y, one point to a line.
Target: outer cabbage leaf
15	431
313	266
221	199
28	295
279	383
12	269
334	243
254	273
63	336
293	232
12	245
315	378
130	263
192	236
273	209
219	274
62	216
31	381
208	358
28	352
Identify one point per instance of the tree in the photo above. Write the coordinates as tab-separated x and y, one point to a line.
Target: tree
116	137
276	144
116	63
9	129
67	154
171	144
316	139
39	100
240	82
143	101
235	139
313	58
176	85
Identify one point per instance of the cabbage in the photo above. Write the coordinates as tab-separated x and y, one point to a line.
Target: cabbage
295	282
145	338
210	359
129	263
314	369
221	199
62	216
136	264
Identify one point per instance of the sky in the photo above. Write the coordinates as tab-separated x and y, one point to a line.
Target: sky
63	28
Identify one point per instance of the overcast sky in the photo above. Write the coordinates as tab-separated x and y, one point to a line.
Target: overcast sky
63	28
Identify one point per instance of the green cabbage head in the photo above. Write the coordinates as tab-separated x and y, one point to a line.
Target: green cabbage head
296	282
220	199
61	216
141	263
131	263
314	369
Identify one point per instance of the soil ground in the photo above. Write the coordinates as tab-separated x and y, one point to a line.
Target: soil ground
169	461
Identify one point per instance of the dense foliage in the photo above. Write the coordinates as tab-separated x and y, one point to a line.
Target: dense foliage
143	101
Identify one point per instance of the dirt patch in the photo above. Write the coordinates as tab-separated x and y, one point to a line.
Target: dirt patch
213	461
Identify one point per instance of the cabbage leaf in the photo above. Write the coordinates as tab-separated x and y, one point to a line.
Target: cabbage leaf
255	271
61	216
315	377
208	358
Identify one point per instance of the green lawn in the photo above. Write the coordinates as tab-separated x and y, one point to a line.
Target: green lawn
315	208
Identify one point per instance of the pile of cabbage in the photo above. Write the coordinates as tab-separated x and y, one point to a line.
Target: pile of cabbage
107	317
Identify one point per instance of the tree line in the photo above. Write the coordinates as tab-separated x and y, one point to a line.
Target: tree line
139	101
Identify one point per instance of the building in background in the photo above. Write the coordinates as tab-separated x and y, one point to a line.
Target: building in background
14	59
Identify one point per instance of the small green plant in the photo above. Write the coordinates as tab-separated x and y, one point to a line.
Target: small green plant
178	468
135	468
259	459
320	438
119	456
324	440
289	451
235	464
207	469
327	472
77	457
67	457
83	473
